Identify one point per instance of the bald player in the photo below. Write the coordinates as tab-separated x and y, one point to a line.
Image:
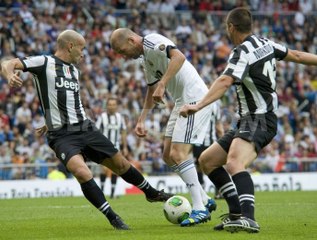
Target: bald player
166	68
72	136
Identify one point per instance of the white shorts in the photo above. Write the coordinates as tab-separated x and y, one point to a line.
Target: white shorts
191	130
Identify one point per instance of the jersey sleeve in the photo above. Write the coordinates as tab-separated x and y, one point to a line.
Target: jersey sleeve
280	51
164	48
238	65
33	64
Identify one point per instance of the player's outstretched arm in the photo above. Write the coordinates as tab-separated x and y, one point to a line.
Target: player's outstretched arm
8	69
147	106
216	91
301	57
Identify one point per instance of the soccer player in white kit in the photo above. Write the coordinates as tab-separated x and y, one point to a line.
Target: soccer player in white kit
166	68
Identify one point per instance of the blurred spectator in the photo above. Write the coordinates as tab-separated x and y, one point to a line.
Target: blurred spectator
183	31
22	116
26	15
5	159
55	174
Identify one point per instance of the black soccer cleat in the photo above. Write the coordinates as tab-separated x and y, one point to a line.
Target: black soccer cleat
118	224
226	218
160	197
242	224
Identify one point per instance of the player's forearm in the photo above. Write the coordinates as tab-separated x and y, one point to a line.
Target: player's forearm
148	105
8	67
301	57
145	111
216	91
173	67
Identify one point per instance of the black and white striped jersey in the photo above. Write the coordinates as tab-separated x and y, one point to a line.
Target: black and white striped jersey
57	85
253	66
111	125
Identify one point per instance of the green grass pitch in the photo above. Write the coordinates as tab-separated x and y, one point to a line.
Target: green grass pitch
281	215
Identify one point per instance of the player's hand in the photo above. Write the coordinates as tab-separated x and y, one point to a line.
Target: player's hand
187	110
158	94
41	131
140	130
15	80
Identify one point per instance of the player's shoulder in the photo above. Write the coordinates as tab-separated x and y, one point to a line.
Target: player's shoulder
32	57
153	36
156	39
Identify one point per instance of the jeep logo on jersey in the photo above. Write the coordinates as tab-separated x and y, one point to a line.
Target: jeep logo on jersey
67	84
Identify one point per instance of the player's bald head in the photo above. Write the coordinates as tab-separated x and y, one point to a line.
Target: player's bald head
69	36
120	36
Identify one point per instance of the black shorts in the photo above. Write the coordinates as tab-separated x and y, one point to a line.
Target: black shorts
83	139
259	129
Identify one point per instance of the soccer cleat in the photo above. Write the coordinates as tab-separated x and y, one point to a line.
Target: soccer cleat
118	224
242	224
211	205
196	217
161	197
226	218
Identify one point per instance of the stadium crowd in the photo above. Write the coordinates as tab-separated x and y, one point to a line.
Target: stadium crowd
29	27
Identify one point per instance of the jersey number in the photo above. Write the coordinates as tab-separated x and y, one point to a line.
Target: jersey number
269	69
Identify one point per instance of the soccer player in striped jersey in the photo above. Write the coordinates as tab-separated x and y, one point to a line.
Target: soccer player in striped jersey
252	70
167	68
112	124
72	136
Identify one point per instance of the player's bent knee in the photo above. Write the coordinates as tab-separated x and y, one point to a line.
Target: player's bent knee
233	166
82	174
203	158
208	162
120	165
177	156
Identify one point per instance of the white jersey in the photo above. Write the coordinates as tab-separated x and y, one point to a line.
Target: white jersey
186	86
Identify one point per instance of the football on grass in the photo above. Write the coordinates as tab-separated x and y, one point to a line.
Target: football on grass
176	209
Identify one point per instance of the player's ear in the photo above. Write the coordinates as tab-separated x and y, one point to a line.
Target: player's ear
70	46
229	26
131	40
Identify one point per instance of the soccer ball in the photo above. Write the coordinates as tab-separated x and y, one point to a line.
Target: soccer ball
176	209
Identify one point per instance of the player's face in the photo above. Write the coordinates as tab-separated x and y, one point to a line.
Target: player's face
112	106
128	50
76	52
